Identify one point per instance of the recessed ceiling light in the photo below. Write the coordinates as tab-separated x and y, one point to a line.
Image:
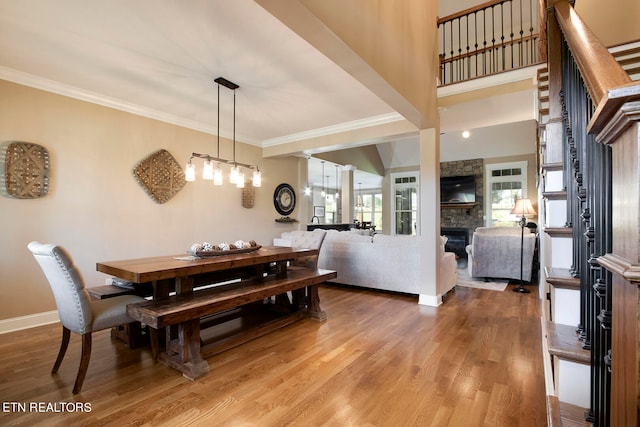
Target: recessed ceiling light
466	134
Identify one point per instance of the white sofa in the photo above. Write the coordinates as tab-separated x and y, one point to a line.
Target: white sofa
379	261
495	252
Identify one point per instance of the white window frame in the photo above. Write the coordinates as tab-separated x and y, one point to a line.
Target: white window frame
392	202
489	179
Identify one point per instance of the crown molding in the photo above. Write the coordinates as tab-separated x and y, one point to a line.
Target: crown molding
333	129
63	89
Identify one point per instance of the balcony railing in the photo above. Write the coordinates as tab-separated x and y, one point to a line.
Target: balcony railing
493	37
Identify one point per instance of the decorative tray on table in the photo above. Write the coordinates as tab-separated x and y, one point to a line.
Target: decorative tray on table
203	250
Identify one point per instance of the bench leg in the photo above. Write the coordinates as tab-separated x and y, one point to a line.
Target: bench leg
187	358
315	312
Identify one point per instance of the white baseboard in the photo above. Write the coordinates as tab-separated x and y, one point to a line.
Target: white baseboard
430	300
30	321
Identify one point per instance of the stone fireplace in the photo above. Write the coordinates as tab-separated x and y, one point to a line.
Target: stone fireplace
457	240
462	221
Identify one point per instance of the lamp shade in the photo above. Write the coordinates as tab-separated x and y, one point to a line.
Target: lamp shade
523	208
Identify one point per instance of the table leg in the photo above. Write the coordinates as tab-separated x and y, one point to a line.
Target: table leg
161	288
184	285
281	269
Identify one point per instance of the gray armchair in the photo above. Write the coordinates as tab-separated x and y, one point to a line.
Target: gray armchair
495	252
77	312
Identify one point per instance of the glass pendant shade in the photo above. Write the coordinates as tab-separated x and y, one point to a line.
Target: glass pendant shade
240	180
207	170
190	172
233	175
217	176
257	178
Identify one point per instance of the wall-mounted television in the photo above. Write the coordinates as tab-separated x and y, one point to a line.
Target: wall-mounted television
458	189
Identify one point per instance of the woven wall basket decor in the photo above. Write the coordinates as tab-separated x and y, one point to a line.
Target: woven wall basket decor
160	175
24	170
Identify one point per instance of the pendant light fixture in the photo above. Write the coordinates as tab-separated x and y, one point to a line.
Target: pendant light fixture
328	186
307	189
323	193
211	172
337	184
359	207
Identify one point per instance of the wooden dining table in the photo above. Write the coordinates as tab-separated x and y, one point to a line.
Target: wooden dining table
183	272
187	276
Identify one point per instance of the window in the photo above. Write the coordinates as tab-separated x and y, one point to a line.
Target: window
506	182
369	208
405	203
331	209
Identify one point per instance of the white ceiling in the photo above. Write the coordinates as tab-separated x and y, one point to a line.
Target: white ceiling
159	58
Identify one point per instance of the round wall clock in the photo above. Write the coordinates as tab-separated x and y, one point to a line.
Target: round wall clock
284	199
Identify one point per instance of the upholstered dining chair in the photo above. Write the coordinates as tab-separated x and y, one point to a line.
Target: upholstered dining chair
77	312
303	240
307	240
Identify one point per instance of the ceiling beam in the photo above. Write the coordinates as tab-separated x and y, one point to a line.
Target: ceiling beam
308	25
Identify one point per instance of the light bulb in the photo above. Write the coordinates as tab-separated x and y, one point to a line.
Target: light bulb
257	178
207	170
190	172
307	191
217	176
233	176
240	180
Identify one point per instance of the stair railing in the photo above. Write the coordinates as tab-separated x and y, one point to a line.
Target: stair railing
594	115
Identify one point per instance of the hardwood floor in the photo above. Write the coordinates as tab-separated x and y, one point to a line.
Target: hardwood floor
379	360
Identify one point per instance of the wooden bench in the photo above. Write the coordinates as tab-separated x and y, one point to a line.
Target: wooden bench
110	291
184	351
130	333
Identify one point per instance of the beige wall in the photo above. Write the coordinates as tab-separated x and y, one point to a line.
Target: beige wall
614	22
396	39
97	210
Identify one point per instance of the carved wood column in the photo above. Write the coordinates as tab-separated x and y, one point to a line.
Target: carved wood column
622	133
